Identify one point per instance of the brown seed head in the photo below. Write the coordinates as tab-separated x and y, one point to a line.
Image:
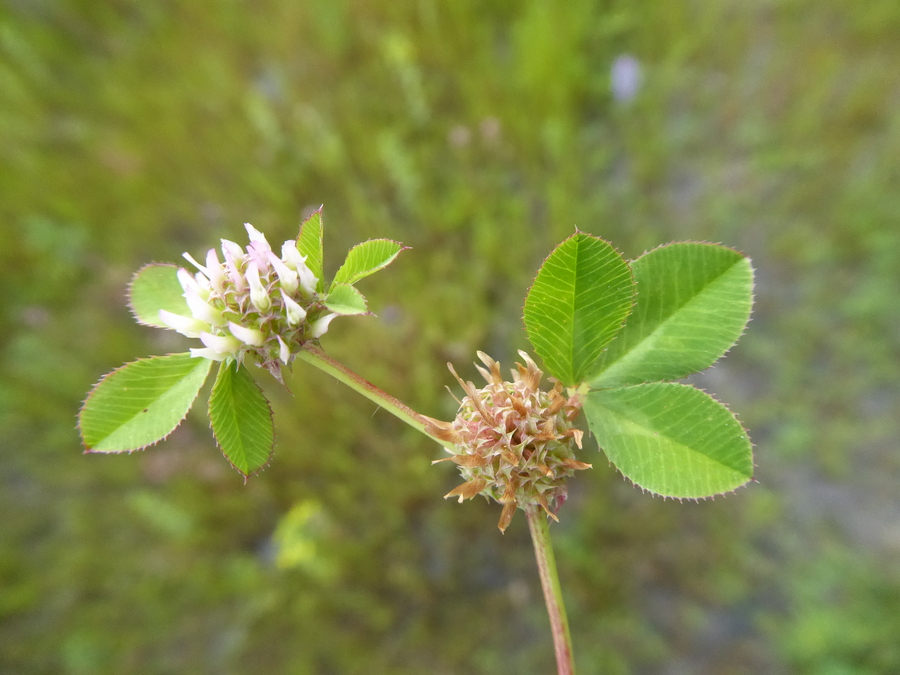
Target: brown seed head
514	442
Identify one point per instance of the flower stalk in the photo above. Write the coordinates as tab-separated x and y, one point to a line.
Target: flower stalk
536	510
556	610
316	357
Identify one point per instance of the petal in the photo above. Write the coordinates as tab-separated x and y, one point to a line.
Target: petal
190	259
222	344
259	248
307	279
201	309
206	353
186	325
234	256
256	236
189	283
288	277
215	271
258	294
294	312
319	327
249	336
284	351
291	255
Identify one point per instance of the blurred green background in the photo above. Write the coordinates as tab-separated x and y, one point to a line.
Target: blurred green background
480	134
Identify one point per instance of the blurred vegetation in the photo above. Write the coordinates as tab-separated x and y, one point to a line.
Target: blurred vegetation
481	134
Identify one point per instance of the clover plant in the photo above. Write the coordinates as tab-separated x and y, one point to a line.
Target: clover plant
612	336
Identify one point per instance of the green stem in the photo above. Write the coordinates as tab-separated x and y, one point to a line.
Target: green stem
319	359
537	521
559	624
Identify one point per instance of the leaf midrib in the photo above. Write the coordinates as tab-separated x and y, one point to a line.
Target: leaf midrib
645	431
662	324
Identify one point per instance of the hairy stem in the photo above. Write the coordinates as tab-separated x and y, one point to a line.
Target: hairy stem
559	624
319	359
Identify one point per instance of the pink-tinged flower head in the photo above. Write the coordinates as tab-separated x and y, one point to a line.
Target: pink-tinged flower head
251	304
514	442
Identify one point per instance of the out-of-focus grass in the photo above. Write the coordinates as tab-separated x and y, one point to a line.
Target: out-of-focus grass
480	134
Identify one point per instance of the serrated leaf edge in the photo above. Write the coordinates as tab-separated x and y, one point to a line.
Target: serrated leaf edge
750	479
365	300
727	351
128	295
374	269
271	456
541	266
89	451
320	283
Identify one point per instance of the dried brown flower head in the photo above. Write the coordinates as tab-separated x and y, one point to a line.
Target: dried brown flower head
514	442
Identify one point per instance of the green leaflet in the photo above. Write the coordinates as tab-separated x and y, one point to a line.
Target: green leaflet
345	299
241	419
693	302
155	287
578	301
309	243
671	439
141	403
366	258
